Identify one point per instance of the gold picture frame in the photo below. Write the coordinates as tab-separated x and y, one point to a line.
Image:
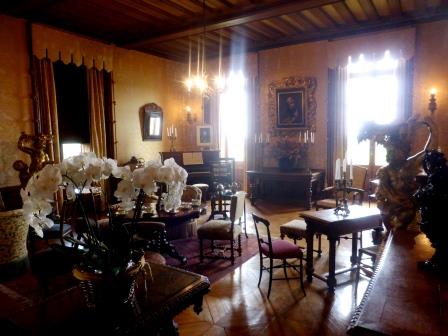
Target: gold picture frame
292	105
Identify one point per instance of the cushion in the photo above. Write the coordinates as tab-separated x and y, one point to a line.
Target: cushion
328	203
282	249
295	229
218	230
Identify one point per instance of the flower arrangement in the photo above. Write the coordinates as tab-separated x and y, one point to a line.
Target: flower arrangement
290	148
112	251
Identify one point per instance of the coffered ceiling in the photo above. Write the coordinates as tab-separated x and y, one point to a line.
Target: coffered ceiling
169	28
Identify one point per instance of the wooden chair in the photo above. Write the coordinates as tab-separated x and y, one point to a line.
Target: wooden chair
224	230
276	250
329	197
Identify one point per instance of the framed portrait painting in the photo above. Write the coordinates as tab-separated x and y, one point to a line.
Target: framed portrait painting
292	105
204	135
290	108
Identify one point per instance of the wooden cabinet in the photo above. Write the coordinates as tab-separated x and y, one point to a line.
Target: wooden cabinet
299	186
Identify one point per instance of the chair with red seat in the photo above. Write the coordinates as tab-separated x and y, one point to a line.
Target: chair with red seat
277	249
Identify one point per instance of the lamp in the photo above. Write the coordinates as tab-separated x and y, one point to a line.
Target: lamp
199	82
189	114
432	106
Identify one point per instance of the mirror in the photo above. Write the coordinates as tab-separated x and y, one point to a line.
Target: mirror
152	122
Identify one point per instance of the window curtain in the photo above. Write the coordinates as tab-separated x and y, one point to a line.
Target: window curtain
95	88
45	105
337	124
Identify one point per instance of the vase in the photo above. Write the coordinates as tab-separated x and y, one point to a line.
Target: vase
106	293
13	239
286	164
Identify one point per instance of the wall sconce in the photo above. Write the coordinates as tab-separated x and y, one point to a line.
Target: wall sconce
189	114
432	106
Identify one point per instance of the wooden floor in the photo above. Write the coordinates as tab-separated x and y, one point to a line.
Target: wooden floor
236	306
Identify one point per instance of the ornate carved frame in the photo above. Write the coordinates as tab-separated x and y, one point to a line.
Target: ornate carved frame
308	84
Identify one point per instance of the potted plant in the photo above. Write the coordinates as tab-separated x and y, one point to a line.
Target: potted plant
108	259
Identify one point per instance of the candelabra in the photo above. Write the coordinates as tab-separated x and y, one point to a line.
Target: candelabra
172	139
343	186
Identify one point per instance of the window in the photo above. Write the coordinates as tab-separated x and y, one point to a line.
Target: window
71	149
372	94
233	117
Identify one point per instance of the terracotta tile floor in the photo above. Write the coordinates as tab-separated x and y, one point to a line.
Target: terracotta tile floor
236	306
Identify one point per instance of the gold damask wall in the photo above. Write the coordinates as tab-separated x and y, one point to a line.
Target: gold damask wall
15	96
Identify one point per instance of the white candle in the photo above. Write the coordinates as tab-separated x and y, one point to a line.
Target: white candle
168	131
268	138
255	138
351	169
337	171
261	137
344	165
175	132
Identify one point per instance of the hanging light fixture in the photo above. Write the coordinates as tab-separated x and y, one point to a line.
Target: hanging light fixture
199	82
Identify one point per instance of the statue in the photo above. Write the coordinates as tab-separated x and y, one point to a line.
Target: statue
397	179
36	147
432	198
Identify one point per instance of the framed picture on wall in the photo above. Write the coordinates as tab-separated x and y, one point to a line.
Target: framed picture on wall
290	108
292	105
204	135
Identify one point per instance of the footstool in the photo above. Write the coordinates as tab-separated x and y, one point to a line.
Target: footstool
296	230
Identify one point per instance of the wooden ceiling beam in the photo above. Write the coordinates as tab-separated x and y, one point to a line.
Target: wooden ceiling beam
356	29
250	16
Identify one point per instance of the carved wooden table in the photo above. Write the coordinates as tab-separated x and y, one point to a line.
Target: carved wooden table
298	184
172	291
334	226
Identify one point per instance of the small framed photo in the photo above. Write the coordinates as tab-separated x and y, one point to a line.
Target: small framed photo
204	135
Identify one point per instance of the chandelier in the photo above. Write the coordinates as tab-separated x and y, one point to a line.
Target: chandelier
199	82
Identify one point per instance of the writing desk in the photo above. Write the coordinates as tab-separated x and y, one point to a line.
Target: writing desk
333	226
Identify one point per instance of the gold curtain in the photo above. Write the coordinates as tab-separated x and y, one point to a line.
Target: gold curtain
95	88
45	109
45	105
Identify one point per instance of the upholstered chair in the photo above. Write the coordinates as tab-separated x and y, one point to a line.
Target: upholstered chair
277	249
224	230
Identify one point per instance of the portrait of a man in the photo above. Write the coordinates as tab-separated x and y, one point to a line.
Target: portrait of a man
290	108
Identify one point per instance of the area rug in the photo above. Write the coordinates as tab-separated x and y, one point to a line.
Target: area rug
214	269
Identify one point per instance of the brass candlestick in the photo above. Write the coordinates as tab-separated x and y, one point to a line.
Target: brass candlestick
342	185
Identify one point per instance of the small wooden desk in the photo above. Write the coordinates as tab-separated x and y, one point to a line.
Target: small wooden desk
299	184
333	226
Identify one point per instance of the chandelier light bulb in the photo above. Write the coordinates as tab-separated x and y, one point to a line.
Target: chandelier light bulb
189	83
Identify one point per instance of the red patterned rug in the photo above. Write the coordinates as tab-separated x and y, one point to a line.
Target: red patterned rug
214	269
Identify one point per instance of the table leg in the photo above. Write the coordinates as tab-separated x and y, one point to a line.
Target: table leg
309	254
331	280
354	256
